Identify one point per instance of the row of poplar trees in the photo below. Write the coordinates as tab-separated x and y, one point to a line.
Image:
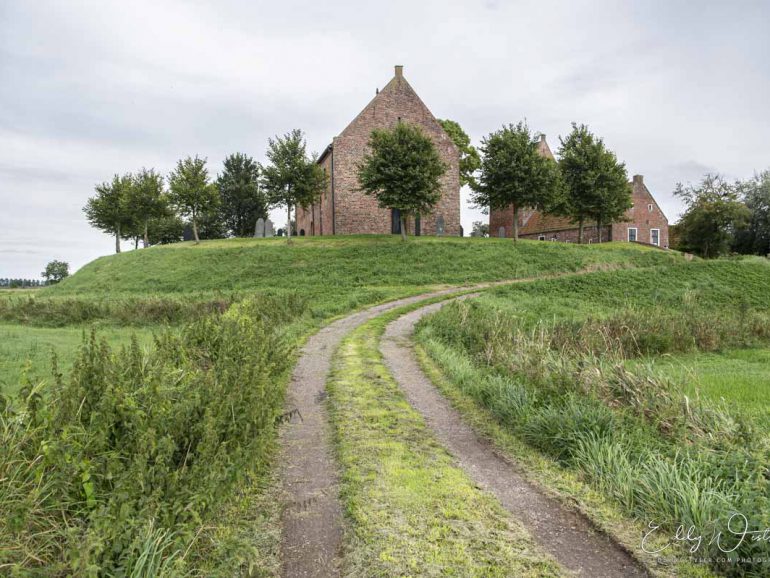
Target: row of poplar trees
145	205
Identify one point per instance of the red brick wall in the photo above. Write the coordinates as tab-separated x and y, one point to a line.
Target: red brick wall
356	212
590	235
645	215
317	219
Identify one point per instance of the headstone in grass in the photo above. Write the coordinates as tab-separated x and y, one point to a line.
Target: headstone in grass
269	228
501	232
440	226
259	231
187	233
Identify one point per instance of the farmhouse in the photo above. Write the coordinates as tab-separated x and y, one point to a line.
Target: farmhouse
645	221
343	209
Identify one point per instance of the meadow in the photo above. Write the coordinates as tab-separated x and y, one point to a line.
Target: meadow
649	385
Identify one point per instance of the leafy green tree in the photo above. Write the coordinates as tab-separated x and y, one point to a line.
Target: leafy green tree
402	170
147	200
292	179
243	202
713	213
191	193
596	183
110	209
480	229
165	229
55	271
754	237
470	161
513	172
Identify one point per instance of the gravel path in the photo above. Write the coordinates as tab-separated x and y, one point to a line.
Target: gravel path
566	535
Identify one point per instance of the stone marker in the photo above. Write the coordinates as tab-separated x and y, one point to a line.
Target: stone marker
440	226
259	230
269	228
501	232
187	233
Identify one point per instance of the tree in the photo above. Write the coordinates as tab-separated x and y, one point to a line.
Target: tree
165	229
55	271
292	179
470	161
480	229
754	237
596	183
402	170
513	172
147	201
243	202
109	210
713	213
190	191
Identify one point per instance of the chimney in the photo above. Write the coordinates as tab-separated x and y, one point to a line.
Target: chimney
399	71
542	137
638	179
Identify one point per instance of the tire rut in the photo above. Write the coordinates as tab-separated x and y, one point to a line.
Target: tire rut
568	536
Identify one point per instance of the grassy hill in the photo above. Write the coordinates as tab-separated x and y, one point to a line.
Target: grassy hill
338	273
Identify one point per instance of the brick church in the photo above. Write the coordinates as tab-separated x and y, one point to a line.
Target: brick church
645	221
344	210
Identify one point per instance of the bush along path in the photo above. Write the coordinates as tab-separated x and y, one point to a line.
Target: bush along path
564	534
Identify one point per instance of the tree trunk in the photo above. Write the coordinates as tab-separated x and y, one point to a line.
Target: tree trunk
402	218
195	230
580	231
288	223
146	234
117	240
515	223
136	243
599	229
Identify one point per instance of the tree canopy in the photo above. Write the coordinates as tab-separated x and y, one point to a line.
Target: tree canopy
713	214
470	161
191	193
110	209
242	200
147	201
596	184
402	169
754	236
55	271
292	179
513	172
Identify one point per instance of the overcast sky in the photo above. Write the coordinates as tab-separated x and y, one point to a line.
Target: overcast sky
89	89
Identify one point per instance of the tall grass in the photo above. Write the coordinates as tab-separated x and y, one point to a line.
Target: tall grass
116	469
566	388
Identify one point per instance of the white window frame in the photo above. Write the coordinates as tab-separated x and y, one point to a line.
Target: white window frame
658	243
636	233
541	237
649	207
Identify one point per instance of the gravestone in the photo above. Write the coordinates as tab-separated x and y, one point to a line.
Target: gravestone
187	233
259	230
269	228
440	226
501	232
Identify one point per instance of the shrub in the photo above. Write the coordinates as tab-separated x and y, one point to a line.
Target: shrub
117	468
